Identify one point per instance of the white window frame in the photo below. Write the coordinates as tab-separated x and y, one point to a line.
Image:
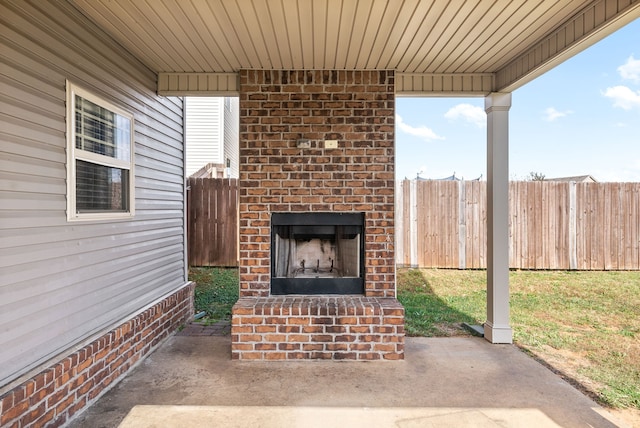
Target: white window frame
74	154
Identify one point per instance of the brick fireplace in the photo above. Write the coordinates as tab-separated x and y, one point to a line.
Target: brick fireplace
317	142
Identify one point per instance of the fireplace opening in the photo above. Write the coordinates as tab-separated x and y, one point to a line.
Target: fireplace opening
317	253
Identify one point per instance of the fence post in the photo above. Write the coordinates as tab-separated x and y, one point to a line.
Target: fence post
573	252
462	226
413	223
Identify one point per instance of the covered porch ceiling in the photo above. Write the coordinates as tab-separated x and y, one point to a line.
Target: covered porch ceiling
436	47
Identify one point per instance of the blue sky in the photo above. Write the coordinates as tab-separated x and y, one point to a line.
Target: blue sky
582	117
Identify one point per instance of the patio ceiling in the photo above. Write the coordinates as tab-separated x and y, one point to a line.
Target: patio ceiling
436	47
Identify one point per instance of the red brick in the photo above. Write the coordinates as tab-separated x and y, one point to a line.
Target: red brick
298	338
39	381
14	411
82	365
298	321
368	320
369	338
321	338
393	356
336	346
322	320
77	406
265	347
384	347
296	329
297	355
85	388
249	338
6	401
241	346
251	355
18	393
360	347
41	394
312	346
60	420
239	310
369	356
275	338
345	355
45	419
289	346
57	396
322	355
275	355
62	406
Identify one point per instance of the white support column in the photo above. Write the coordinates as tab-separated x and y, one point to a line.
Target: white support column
497	328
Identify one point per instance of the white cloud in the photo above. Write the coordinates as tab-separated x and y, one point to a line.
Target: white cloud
470	113
623	97
630	70
423	132
551	114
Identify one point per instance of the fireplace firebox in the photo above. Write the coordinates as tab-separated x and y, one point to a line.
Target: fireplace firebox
317	253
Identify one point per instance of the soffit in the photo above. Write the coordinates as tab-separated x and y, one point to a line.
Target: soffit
420	39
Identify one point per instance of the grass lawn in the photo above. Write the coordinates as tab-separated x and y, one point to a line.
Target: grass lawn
216	292
586	325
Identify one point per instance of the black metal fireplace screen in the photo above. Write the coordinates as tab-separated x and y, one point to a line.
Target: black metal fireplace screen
317	253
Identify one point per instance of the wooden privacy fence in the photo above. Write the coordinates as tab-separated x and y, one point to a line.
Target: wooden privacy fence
552	225
212	230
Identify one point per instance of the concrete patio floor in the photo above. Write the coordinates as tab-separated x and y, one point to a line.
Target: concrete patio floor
443	382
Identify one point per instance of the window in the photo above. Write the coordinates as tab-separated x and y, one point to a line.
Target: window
100	158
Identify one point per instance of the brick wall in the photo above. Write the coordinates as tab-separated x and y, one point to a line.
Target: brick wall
52	397
356	108
277	108
317	327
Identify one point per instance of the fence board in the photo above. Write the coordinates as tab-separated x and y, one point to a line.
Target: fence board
212	205
552	225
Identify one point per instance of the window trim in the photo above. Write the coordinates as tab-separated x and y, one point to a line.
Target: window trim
74	154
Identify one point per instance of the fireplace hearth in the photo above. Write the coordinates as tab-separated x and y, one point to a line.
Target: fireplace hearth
317	253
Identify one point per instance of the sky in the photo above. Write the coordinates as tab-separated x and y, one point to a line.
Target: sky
580	118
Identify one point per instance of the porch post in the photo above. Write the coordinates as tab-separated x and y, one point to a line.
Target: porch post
497	328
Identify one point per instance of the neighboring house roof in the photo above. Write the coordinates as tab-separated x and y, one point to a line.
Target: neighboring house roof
576	178
450	178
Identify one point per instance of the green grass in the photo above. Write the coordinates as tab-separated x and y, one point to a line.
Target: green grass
586	324
431	314
216	292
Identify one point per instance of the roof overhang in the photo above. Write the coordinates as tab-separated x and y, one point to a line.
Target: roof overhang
459	48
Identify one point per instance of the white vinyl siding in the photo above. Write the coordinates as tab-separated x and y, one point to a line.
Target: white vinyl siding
62	283
203	132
